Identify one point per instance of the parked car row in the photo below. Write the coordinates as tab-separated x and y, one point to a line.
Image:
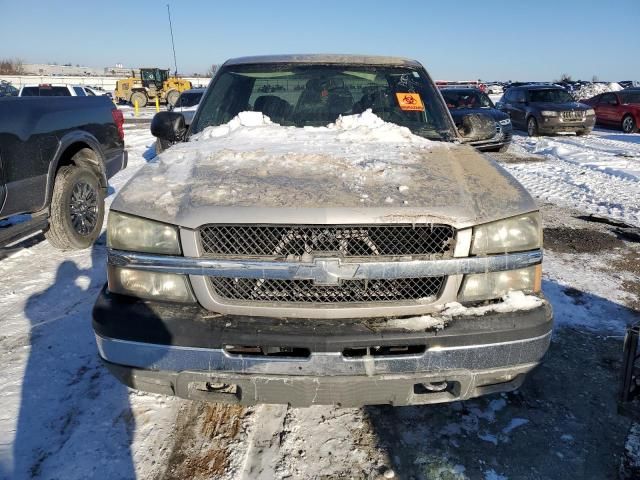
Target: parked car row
543	109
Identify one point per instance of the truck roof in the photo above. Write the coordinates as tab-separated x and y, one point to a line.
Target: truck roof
326	59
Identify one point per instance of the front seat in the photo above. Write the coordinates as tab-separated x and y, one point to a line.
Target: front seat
277	109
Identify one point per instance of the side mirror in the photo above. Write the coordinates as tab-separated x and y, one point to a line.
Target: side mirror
476	127
168	126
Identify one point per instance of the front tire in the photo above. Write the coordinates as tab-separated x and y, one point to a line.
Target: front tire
77	209
140	97
532	127
629	124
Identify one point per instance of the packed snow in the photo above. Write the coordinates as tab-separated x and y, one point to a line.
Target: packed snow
252	161
511	302
358	161
588	90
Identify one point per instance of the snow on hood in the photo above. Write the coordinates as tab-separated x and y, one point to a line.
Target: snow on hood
358	162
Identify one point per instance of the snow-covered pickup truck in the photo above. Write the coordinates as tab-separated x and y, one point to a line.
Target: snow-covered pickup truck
328	241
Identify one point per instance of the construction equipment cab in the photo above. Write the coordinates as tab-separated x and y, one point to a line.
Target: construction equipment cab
151	83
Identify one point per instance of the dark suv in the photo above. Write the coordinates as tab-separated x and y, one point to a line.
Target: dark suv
545	109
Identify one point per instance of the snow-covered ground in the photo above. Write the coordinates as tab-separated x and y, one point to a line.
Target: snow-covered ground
599	174
62	416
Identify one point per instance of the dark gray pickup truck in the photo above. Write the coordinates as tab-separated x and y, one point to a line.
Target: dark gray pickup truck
56	155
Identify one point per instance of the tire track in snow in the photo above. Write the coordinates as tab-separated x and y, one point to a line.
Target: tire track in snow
204	437
264	443
595	192
591	186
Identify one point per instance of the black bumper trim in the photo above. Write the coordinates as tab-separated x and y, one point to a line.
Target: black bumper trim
125	318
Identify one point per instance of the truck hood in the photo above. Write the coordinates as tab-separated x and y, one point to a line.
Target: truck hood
358	170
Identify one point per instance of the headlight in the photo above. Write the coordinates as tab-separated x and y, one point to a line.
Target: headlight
548	113
516	234
506	121
487	286
591	111
169	287
125	232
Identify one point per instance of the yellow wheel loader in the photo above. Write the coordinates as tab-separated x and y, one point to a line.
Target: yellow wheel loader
152	83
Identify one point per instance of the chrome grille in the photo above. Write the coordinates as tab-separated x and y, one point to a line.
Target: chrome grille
573	115
347	241
305	292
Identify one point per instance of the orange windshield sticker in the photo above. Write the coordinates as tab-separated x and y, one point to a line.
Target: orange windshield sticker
410	101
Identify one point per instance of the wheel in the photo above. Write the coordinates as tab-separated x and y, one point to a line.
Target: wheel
532	127
172	97
77	209
140	97
629	124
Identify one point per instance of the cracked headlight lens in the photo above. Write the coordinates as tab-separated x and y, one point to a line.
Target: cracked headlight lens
515	234
125	232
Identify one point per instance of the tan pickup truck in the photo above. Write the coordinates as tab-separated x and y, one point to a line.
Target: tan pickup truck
320	234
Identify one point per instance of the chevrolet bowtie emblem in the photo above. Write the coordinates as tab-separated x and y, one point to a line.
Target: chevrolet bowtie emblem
327	271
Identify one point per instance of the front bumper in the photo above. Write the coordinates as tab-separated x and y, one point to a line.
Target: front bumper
184	350
555	125
501	139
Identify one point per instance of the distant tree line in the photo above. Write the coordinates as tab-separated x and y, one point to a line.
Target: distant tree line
11	66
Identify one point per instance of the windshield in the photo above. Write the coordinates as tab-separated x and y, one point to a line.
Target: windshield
153	75
316	95
190	99
45	91
551	95
465	99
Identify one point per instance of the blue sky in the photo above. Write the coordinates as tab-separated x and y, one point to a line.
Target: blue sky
487	39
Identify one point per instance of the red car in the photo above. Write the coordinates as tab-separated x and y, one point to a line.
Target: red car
619	109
